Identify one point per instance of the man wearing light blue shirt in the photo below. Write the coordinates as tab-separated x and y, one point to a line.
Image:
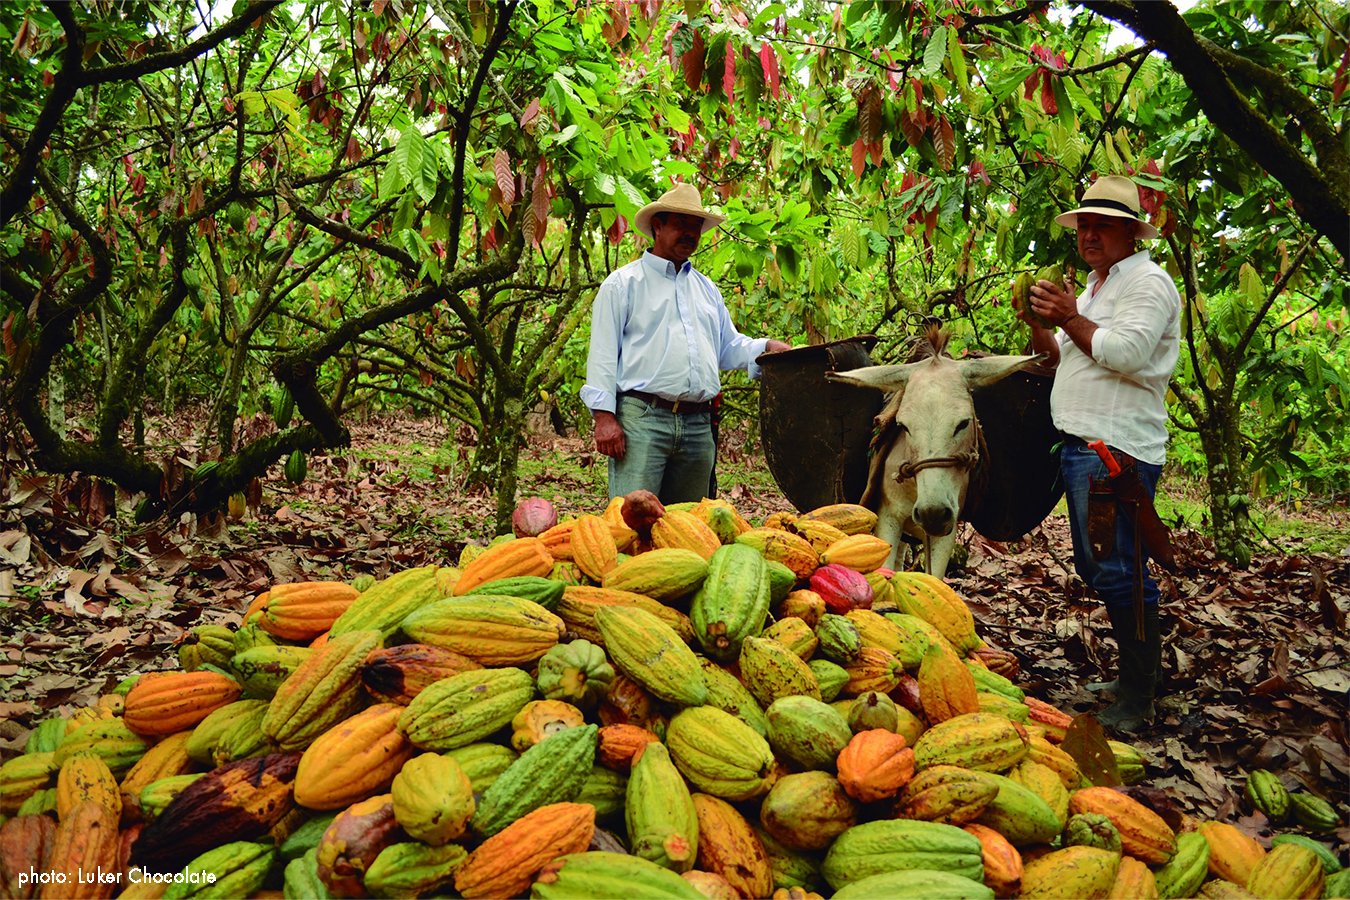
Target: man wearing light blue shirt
660	334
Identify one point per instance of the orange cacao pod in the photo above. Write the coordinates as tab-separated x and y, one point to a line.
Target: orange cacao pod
946	687
1143	833
875	765
305	609
84	852
167	702
1002	862
729	847
505	864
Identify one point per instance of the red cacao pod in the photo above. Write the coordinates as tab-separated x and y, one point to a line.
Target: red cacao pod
841	588
533	516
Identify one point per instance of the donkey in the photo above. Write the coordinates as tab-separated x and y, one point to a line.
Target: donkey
928	443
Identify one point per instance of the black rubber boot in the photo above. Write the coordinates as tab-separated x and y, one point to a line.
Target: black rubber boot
1111	687
1140	670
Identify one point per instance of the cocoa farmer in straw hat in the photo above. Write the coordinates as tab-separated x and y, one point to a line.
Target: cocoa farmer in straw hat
660	334
1114	347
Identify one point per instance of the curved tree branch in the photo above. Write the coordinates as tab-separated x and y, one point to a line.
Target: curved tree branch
1322	201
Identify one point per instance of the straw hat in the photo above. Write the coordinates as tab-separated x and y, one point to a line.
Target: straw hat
682	198
1111	195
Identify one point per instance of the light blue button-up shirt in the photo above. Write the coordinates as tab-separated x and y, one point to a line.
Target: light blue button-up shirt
664	331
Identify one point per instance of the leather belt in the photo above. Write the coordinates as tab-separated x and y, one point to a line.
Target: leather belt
682	407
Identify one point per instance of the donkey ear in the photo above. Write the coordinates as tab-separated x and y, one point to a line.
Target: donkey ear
989	369
882	378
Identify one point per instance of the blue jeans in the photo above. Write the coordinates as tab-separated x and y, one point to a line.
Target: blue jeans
670	454
1112	578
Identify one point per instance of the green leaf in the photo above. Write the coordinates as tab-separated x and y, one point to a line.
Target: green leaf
958	60
427	177
676	118
935	52
1080	99
1249	283
404	214
628	198
408	154
251	101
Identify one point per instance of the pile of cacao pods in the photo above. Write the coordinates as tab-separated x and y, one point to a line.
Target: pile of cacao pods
651	702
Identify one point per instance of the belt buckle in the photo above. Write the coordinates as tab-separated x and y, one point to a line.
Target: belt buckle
675	406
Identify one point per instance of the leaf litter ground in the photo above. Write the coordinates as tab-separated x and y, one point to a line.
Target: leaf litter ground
1256	669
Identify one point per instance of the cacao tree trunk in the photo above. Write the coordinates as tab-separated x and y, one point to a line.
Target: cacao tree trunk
1226	478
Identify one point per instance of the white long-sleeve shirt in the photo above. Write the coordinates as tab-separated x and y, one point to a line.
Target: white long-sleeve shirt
1120	395
664	331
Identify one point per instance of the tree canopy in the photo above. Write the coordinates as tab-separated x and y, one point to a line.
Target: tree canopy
334	204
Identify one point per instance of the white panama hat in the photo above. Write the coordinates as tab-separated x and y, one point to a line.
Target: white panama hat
682	198
1111	195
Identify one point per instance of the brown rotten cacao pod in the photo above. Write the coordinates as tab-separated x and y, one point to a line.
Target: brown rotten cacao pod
240	801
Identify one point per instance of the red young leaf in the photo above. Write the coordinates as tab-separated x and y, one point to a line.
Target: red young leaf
874	150
729	74
539	198
859	158
913	128
1048	95
1338	85
944	139
531	112
692	61
506	182
769	60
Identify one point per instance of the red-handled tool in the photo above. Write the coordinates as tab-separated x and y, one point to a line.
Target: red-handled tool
1108	458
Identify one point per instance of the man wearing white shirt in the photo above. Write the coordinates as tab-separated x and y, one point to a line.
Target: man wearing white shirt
1115	349
660	334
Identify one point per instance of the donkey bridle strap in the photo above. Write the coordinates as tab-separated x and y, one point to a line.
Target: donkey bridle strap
968	460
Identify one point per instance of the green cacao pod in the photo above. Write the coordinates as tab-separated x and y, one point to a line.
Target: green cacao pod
297	467
433	799
1092	830
649	651
306	837
483	763
464	708
412	870
47	737
237	869
915	884
600	875
552	771
544	591
1267	794
1314	813
732	602
719	754
1183	874
807	732
283	407
726	693
660	816
899	844
831	677
839	639
301	878
578	673
771	670
873	710
263	669
606	790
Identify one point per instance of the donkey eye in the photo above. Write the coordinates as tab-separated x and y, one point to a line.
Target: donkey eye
961	426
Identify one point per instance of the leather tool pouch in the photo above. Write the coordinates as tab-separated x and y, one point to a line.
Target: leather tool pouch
1101	521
